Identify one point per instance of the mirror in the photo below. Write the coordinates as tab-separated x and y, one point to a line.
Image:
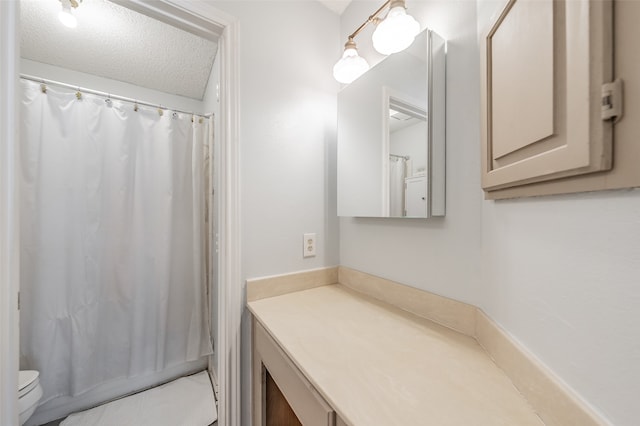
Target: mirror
391	135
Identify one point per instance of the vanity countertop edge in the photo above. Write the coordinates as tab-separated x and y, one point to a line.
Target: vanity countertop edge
375	363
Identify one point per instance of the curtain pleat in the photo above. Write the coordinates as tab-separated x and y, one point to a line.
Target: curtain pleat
113	240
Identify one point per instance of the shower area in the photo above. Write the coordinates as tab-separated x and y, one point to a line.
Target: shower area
118	268
399	169
407	163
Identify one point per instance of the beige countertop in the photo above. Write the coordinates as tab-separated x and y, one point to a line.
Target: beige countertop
378	365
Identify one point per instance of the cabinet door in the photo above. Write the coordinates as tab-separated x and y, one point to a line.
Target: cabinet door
415	197
543	64
271	363
278	412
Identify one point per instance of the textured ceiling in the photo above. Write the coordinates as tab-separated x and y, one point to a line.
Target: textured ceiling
114	42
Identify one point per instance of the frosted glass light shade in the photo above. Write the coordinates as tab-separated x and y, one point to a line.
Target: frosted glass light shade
350	66
396	32
66	15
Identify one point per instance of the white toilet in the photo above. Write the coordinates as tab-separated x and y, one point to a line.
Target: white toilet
29	393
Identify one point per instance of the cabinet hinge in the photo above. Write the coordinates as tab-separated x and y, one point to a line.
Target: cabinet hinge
18	300
611	107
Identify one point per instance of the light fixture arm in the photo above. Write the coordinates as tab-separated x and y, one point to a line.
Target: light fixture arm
393	33
372	18
73	3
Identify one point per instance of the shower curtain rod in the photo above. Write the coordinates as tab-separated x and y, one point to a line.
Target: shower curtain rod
108	95
404	157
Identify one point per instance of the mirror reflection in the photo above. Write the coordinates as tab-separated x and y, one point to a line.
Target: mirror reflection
391	135
408	131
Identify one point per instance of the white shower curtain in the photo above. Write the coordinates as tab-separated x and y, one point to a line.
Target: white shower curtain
397	173
113	258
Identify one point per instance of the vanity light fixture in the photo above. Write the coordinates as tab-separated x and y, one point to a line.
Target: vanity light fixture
351	65
394	33
66	15
397	31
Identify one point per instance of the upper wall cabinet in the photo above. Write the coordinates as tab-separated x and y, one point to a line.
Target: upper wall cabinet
543	66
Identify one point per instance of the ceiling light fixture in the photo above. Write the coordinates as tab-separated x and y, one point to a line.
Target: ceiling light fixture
66	15
393	33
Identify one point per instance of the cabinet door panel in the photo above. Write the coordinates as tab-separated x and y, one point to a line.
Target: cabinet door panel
543	65
301	396
522	68
415	196
277	411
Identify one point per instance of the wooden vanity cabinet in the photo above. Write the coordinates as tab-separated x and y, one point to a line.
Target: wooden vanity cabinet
277	410
282	396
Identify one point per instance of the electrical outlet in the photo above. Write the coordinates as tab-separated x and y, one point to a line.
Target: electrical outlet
309	245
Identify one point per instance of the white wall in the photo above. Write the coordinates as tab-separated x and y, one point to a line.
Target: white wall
559	273
288	121
441	254
562	275
410	141
287	140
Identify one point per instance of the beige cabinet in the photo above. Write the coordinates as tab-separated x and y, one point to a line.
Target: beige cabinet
543	66
281	394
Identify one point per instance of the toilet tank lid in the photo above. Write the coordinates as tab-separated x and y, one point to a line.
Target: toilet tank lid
26	377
